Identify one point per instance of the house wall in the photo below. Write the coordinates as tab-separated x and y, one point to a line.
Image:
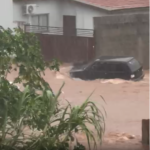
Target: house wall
6	13
123	35
57	8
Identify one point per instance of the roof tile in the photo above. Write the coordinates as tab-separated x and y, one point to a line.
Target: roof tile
117	4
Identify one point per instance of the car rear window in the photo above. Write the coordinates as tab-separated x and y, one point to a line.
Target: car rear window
134	65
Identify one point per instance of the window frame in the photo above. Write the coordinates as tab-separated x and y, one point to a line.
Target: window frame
38	15
98	64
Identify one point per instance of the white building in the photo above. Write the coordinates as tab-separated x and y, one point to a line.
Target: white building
52	12
57	13
6	13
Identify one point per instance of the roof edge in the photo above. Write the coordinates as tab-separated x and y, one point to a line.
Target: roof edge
107	8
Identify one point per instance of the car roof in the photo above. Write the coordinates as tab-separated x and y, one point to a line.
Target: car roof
114	59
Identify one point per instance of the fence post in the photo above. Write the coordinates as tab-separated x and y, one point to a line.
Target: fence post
145	132
24	28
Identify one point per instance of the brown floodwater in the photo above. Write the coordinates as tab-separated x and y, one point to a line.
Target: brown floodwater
127	102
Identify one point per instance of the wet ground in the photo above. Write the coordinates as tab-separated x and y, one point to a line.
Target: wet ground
127	103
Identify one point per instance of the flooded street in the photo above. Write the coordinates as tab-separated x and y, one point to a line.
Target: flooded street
127	102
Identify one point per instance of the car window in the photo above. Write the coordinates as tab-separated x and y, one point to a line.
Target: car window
110	67
134	65
115	67
94	66
98	66
89	64
101	67
120	68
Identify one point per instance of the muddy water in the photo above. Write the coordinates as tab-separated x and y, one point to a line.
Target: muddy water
127	102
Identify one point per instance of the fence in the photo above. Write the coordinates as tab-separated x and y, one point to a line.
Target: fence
70	49
57	30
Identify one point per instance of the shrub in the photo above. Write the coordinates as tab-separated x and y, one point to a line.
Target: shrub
51	125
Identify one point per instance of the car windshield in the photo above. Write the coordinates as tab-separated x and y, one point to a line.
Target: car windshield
88	64
134	65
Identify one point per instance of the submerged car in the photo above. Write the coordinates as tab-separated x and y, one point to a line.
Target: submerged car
127	68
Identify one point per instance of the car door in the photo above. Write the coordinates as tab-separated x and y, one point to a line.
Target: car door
121	71
97	70
109	70
127	72
92	71
102	70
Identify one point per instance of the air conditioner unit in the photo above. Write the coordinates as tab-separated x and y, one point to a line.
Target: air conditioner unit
29	9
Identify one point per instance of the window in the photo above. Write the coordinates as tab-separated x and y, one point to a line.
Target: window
94	66
40	20
114	67
101	67
110	67
98	67
134	65
120	68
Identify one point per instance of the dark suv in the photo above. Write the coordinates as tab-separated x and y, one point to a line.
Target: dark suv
109	68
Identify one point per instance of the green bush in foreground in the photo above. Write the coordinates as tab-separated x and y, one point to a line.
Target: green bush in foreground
42	112
51	126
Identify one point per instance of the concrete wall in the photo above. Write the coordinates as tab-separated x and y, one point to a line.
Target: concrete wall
6	13
129	11
57	8
123	35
